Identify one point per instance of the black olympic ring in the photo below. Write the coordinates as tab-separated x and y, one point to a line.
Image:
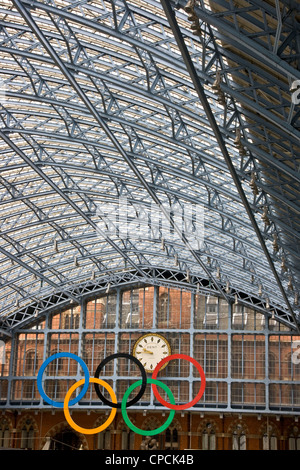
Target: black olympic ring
144	379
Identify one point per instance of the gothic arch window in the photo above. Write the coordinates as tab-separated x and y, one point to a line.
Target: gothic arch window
238	437
127	439
27	434
103	439
238	441
294	438
269	439
164	307
71	319
66	439
4	433
127	436
171	439
151	423
207	438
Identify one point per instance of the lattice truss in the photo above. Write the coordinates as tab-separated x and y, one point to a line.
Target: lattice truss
98	106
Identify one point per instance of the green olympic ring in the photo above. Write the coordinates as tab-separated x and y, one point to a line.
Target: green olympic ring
152	432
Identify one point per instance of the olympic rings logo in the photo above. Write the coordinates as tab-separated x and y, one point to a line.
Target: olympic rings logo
114	403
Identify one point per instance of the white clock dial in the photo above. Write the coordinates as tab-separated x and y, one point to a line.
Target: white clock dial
150	349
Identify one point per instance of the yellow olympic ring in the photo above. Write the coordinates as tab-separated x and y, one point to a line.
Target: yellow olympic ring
109	419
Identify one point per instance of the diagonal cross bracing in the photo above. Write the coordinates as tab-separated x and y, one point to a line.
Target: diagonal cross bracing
30	21
200	90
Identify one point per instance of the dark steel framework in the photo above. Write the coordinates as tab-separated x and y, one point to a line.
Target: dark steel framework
166	103
246	357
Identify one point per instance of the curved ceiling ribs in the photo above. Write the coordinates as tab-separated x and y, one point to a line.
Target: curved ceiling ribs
99	105
200	90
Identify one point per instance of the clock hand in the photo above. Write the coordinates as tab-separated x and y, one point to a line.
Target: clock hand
146	351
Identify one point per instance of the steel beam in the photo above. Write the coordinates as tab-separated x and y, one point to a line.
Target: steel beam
30	21
200	91
37	273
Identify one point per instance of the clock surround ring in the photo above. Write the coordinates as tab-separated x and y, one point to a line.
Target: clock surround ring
156	335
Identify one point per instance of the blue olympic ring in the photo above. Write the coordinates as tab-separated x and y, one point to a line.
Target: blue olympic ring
59	404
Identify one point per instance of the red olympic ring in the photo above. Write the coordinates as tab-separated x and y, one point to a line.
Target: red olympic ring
202	387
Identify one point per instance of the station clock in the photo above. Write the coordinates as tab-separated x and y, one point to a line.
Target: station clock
150	349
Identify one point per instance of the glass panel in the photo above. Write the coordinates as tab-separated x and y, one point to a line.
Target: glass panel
3	390
211	351
101	312
28	354
96	347
5	351
211	318
68	319
173	308
239	317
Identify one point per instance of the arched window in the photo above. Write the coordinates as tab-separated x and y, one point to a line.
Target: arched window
127	442
208	438
27	435
238	438
103	440
211	312
294	439
269	437
238	441
269	442
71	319
163	308
171	439
4	434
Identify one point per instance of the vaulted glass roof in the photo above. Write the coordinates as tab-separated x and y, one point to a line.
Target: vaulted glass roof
149	142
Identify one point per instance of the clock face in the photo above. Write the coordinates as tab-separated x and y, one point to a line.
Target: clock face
150	349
